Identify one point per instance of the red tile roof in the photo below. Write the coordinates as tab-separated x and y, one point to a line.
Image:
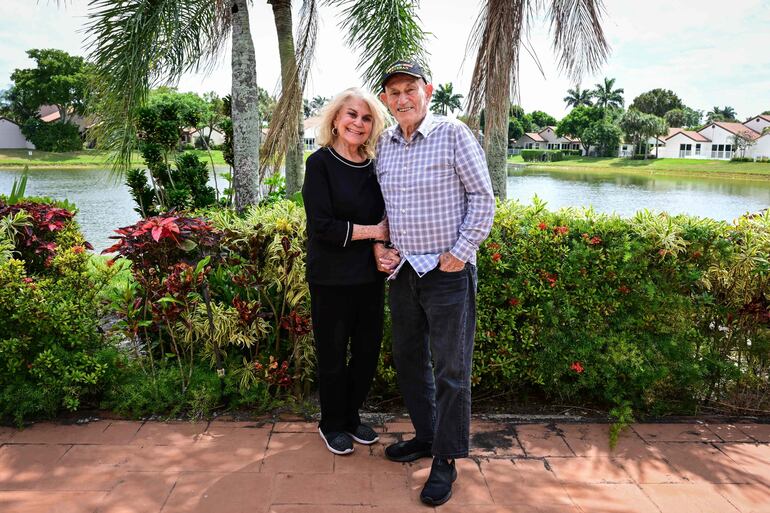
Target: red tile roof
695	136
535	136
734	128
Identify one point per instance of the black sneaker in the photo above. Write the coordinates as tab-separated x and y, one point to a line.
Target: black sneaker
408	450
364	434
337	442
438	487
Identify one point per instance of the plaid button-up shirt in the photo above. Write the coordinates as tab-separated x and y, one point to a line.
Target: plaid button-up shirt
438	195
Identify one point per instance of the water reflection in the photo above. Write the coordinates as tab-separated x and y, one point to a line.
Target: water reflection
624	194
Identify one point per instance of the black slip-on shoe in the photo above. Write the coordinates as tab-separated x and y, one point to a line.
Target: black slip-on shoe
438	487
364	434
337	442
408	450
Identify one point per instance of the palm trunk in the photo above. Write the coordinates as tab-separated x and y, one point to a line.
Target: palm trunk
284	30
245	113
496	146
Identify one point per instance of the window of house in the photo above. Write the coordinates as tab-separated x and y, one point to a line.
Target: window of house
697	149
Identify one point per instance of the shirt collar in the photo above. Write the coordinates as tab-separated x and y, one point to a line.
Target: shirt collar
427	125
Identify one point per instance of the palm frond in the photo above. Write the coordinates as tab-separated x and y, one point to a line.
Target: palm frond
283	126
139	44
578	37
382	31
496	37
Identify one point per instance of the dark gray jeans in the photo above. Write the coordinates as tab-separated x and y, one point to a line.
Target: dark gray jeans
434	318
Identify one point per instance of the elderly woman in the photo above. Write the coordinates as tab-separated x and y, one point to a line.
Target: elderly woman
345	213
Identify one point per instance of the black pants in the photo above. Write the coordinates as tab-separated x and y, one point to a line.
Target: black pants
434	318
346	320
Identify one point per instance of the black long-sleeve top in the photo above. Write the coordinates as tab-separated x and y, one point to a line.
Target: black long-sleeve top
339	193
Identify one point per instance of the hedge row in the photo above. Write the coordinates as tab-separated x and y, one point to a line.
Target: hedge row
653	314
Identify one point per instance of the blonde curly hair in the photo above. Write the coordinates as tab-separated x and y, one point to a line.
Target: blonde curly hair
329	113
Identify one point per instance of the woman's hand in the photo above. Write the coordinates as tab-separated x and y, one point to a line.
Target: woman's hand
387	259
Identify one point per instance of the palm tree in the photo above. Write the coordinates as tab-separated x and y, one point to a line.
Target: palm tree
444	99
606	96
383	31
138	44
577	97
285	135
717	114
502	25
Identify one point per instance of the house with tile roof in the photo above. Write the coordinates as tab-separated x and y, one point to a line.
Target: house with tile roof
545	139
717	140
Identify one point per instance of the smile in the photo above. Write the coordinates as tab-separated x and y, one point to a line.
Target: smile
354	132
404	109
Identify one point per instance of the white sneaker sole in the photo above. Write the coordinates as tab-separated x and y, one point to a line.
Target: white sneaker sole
362	441
332	449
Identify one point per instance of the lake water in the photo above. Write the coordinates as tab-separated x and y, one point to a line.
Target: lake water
720	198
105	204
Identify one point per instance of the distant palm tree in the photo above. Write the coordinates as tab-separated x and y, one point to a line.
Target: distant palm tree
577	97
316	104
500	30
444	99
717	114
606	96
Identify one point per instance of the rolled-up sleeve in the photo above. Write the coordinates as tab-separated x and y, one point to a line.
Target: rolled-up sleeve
471	167
321	223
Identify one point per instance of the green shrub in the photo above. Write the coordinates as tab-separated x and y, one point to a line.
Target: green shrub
52	355
57	137
542	155
653	314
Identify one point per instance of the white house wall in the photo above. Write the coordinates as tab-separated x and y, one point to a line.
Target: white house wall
761	149
718	135
673	148
12	138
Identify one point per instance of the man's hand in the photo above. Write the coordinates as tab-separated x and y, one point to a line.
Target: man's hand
387	259
449	263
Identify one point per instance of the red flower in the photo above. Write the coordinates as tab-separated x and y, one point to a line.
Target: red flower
697	254
561	230
662	252
595	240
576	367
28	280
513	301
78	249
623	289
496	257
542	226
493	246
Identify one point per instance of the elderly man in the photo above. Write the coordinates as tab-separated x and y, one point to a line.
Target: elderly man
440	207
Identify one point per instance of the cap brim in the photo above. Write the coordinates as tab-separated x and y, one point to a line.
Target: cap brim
391	75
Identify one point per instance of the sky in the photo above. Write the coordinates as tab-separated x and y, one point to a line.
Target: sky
711	53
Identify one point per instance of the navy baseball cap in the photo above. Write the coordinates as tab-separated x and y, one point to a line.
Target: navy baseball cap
405	68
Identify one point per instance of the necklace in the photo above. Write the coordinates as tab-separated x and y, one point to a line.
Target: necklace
347	163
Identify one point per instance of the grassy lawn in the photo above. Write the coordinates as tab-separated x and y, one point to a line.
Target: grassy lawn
76	159
668	166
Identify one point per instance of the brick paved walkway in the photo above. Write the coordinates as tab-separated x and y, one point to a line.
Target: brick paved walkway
282	467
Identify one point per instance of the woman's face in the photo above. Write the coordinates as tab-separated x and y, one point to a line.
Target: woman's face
354	122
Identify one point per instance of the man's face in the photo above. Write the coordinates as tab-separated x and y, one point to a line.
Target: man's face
407	99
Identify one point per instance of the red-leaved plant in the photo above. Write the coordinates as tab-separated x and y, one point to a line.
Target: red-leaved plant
35	238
